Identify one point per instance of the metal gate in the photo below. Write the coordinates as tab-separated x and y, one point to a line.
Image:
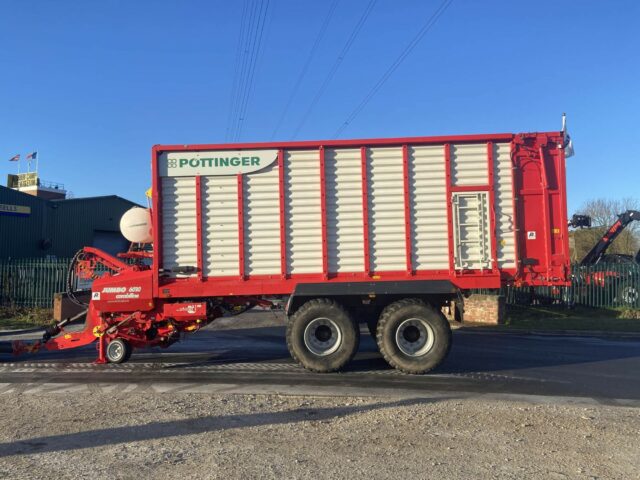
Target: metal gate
472	242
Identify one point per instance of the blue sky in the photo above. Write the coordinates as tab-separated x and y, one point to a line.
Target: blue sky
93	85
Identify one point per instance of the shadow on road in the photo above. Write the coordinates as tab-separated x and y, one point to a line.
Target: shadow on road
188	426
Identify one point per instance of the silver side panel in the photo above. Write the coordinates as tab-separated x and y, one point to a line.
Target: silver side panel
503	179
303	212
220	251
428	193
386	209
179	223
469	164
261	222
345	239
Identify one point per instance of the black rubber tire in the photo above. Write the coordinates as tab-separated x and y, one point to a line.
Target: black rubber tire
311	310
118	351
390	320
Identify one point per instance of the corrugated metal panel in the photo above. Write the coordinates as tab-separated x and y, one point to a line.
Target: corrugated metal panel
386	209
179	223
345	239
56	228
220	252
503	179
469	164
303	211
20	236
430	241
261	222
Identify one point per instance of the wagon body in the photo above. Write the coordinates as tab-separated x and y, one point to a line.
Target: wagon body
261	218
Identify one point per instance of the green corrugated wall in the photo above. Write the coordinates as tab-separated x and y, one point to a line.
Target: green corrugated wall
64	225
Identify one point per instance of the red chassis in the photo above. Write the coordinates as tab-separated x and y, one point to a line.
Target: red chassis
122	306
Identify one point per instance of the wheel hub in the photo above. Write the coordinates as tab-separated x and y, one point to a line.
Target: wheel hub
115	350
322	336
415	337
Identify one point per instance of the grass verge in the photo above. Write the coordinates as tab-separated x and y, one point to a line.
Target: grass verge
579	318
14	318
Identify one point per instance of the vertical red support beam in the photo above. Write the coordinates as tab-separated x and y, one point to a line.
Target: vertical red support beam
199	226
493	226
365	210
283	226
241	227
562	184
447	167
546	214
515	194
407	209
323	209
156	218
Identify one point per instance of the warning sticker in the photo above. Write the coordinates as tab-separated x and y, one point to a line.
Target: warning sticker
95	295
531	235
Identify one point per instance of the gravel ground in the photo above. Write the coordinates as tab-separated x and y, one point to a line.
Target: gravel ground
175	435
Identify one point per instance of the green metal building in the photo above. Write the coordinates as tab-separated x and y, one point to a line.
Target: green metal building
34	227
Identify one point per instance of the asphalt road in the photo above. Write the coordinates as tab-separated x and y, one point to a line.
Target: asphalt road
256	360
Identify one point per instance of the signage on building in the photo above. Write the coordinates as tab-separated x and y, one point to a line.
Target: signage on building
19	210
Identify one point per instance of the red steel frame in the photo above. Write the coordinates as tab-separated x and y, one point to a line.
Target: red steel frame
199	226
283	225
241	227
447	167
285	282
493	227
365	211
323	210
407	209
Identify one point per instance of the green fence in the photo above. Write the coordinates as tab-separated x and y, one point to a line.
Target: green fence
604	286
32	283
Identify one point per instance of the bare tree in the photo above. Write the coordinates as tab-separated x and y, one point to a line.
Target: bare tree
603	213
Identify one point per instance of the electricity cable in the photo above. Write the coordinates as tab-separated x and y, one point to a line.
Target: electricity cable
335	66
252	68
421	33
305	67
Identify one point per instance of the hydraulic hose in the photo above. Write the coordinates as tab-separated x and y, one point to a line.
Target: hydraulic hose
70	291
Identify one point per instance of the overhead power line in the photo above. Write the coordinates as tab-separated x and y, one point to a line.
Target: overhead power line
335	66
305	67
254	15
236	69
412	44
259	31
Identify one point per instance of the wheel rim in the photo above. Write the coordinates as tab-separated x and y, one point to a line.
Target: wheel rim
415	337
115	350
322	336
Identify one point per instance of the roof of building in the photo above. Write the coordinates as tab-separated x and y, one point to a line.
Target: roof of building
31	198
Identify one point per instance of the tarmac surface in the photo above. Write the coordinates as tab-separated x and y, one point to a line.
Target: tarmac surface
549	368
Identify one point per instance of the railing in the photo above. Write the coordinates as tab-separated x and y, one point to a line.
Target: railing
33	282
602	286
